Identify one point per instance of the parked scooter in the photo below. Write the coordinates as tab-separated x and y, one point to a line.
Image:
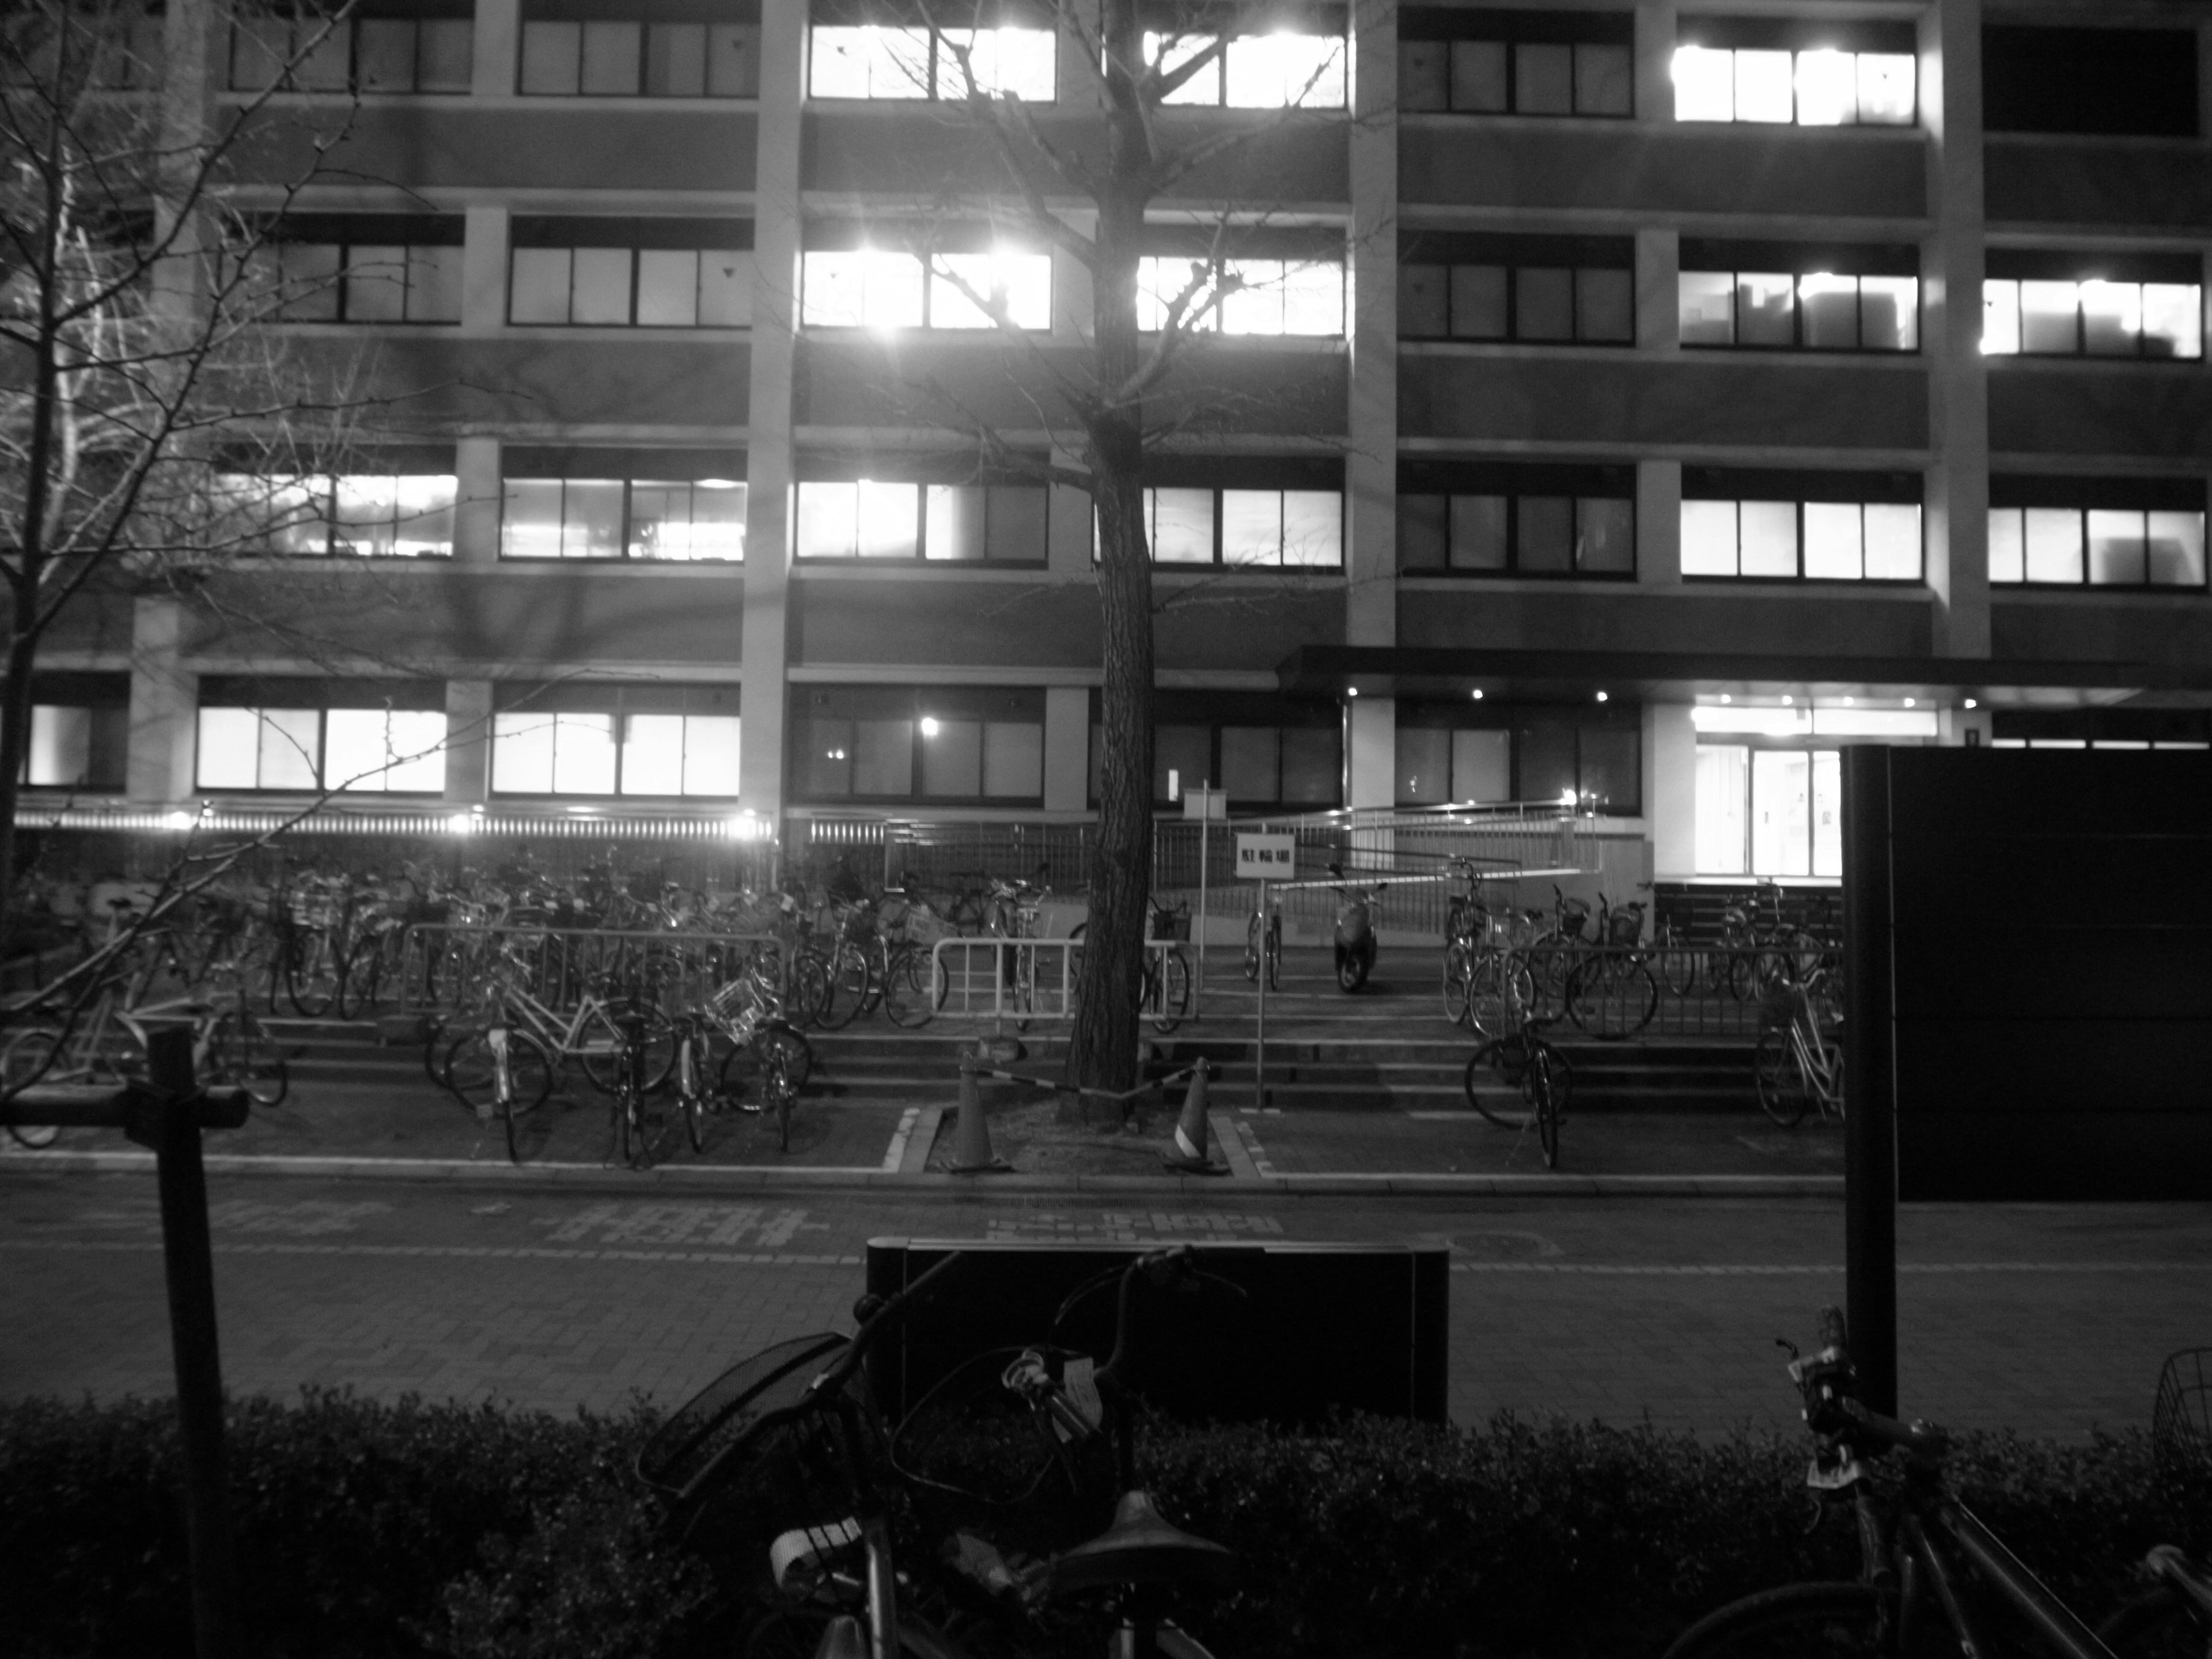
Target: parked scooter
1355	932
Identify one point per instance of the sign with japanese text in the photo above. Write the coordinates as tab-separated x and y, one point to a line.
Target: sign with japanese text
1266	857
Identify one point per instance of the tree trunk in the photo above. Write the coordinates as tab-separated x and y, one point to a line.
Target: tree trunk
1103	1048
15	732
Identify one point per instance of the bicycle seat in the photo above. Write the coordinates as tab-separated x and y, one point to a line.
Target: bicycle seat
1140	1547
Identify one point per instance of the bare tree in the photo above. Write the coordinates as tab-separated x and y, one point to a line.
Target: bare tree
137	385
1090	201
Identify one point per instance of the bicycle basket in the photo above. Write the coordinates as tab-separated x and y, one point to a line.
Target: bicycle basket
2181	1419
711	1438
977	1459
1625	929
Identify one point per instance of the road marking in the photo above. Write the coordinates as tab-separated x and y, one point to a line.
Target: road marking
1117	1227
1261	1169
679	1223
1740	1269
476	1252
895	1154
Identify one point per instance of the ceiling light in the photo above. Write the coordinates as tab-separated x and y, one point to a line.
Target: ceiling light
1908	703
1970	703
1785	700
1476	694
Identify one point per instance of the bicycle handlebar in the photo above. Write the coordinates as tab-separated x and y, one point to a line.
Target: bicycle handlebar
1921	1439
879	1320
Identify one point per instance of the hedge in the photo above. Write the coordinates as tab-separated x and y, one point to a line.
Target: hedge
376	1529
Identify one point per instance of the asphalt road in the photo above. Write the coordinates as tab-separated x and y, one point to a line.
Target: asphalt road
2044	1319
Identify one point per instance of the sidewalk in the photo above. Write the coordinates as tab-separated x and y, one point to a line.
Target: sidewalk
399	1123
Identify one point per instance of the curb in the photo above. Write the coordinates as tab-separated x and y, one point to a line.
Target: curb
876	1178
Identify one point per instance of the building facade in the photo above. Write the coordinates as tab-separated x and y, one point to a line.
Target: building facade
1623	404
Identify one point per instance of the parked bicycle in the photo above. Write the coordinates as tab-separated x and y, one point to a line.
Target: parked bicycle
1926	1561
1799	1062
1263	946
1518	1054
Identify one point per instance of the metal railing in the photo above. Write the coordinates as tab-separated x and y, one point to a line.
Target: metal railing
1000	979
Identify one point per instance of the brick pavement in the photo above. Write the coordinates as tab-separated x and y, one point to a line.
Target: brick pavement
2046	1321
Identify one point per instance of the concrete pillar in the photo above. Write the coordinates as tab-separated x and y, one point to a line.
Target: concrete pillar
476	515
1955	519
1371	465
1655	60
497	47
1670	789
1066	748
1370	751
1659	523
1658	289
483	272
468	742
164	705
776	226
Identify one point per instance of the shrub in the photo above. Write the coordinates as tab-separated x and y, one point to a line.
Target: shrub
367	1530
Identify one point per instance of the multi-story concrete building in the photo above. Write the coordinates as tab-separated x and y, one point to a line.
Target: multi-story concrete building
1631	402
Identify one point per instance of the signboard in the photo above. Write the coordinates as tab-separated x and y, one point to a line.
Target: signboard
1201	802
1266	857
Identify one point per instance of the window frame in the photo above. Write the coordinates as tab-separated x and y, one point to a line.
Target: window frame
327	514
1800	264
941	66
320	699
2018	267
344	236
1448	252
1512	481
619	705
819	472
1800	39
629	479
104	701
2081	497
1285	476
1218	712
1754	744
349	28
714	30
843	239
1438	26
1799	490
914	706
1219	265
1514	719
638	242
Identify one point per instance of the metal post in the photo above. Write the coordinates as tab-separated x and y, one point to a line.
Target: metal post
1260	1054
189	1259
1205	822
1870	1120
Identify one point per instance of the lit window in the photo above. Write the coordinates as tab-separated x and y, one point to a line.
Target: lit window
73	744
679	755
668	751
1768	811
2097	317
673	519
875	288
1255	296
1280	528
2100	547
1278	69
550	754
404	515
1814	540
882	62
622	59
362	751
1819	86
622	287
1815	311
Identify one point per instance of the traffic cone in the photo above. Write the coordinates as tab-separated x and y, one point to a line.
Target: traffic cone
971	1138
1189	1154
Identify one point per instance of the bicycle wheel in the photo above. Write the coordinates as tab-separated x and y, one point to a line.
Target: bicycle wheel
908	1000
470	1077
2156	1624
239	1056
1252	949
1801	1622
1783	1094
1678	967
1174	1003
29	1058
777	1093
691	1088
311	974
851	979
1484	1061
1459	970
1274	953
602	1058
1541	1083
808	993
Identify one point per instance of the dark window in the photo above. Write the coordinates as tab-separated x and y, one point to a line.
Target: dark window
1524	520
1488	752
387	45
639	48
1547	289
1516	63
1262	752
2102	81
895	743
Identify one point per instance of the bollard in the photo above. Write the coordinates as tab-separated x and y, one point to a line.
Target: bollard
971	1139
1188	1155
